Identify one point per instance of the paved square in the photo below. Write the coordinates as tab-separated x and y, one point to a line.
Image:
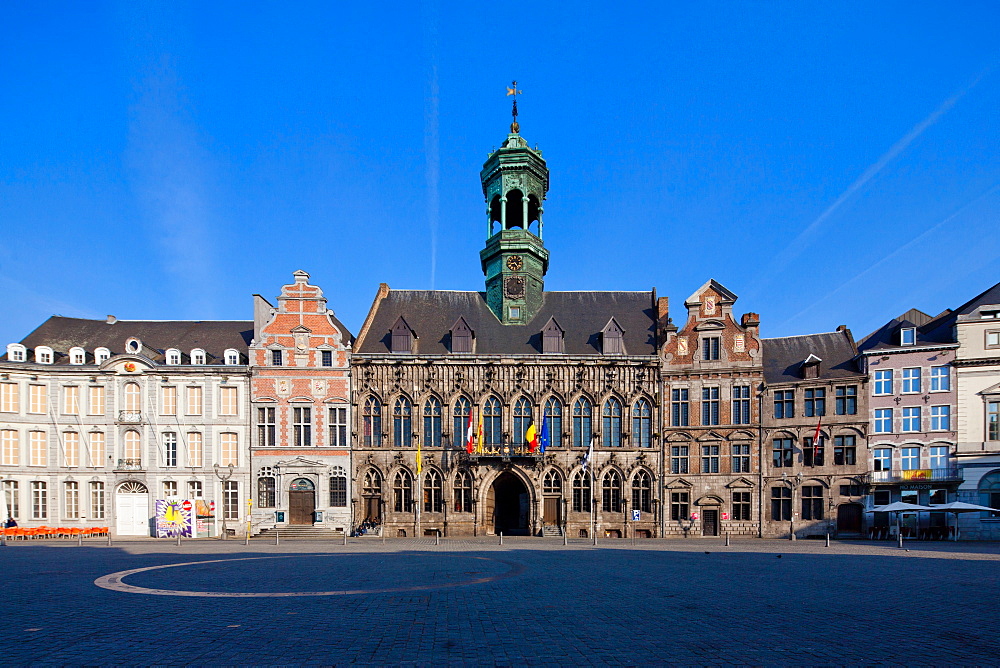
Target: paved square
530	601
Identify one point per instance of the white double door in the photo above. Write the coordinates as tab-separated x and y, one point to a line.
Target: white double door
132	514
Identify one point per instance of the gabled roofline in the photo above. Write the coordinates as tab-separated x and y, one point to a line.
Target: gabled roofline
383	292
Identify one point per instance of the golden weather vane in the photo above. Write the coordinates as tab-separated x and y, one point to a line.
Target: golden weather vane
512	90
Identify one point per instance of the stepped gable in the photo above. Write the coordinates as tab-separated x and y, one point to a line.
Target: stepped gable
583	315
783	357
213	336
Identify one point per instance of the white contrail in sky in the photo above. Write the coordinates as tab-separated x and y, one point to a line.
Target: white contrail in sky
799	244
432	170
894	254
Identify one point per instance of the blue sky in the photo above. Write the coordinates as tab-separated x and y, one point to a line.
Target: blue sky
829	163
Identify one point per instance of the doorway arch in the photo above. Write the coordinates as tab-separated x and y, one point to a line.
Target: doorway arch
508	505
301	501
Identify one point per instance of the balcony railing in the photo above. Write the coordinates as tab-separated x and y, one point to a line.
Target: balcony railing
505	452
948	473
129	417
129	465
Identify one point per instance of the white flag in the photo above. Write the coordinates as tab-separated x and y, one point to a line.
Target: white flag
589	456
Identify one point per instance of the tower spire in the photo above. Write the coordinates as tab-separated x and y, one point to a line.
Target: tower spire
515	128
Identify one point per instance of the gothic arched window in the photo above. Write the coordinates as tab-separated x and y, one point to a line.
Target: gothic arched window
611	492
492	424
460	418
642	424
552	482
582	410
402	492
553	419
522	420
373	482
581	492
612	427
402	423
432	492
463	492
432	423
372	422
642	492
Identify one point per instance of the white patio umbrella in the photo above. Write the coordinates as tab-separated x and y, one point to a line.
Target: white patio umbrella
899	507
957	507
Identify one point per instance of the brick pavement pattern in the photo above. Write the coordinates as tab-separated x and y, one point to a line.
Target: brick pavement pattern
661	602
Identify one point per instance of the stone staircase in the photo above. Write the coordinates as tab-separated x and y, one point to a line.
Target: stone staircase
300	532
551	531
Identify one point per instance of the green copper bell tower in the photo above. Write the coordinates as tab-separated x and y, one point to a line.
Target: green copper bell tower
515	180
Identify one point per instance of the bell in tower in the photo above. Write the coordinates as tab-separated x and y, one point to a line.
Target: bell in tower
515	181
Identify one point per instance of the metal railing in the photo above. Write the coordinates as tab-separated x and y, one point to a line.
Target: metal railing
129	465
917	475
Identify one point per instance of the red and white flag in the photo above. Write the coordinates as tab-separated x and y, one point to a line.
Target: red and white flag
470	435
816	436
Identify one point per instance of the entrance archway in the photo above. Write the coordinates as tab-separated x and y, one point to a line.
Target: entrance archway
301	501
132	509
510	502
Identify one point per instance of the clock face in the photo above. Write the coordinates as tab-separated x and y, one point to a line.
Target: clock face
515	263
514	287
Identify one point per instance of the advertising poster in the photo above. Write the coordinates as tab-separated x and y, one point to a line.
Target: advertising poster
173	518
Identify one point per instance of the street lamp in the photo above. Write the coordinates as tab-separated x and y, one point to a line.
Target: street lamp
223	477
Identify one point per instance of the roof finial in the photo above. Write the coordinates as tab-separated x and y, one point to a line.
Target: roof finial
512	90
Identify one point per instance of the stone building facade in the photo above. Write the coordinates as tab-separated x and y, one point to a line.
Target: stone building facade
712	374
814	423
301	449
100	420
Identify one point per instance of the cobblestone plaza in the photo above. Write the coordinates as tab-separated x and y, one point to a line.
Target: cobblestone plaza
529	601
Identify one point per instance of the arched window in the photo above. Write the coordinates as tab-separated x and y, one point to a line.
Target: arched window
132	449
232	357
460	415
432	492
642	424
197	356
402	423
553	420
612	423
522	420
371	418
552	482
492	424
989	493
463	492
581	492
373	483
611	492
173	356
338	487
77	355
582	410
642	492
402	492
432	423
515	209
133	397
16	352
101	355
265	492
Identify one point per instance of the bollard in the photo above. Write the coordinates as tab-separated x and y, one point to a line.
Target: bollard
383	535
595	537
275	536
727	540
79	540
437	539
828	540
501	537
564	538
178	540
247	542
899	541
109	537
345	537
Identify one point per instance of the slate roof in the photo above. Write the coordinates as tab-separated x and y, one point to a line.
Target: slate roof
990	296
431	313
930	331
213	336
783	357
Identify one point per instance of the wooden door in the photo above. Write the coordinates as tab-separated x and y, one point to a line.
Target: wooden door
373	509
849	518
710	522
550	511
301	506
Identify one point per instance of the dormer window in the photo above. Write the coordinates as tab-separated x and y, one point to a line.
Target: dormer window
232	357
16	352
402	337
101	355
461	337
553	337
44	355
173	356
612	342
908	336
197	356
77	355
133	346
989	315
810	366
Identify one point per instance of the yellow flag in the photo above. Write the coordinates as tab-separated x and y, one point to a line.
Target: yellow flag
479	436
420	459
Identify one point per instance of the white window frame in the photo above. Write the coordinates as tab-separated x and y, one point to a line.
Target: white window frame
198	357
906	458
133	346
905	419
16	352
77	355
173	357
880	382
943	412
936	456
880	421
908	336
992	338
101	355
44	355
232	357
938	374
908	381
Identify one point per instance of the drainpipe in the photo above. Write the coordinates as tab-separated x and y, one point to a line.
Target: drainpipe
760	461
